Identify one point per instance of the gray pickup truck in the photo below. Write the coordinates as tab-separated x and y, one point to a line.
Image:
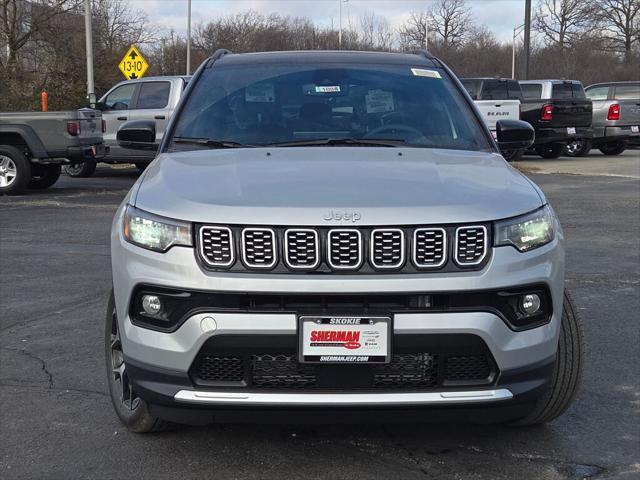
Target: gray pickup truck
150	98
34	146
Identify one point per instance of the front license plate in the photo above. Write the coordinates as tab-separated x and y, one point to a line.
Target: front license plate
571	130
635	129
344	339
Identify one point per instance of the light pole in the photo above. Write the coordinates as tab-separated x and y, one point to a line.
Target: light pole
527	37
516	31
91	94
188	37
340	2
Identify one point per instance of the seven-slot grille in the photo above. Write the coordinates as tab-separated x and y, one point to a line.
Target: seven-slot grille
259	247
387	248
429	247
302	248
471	245
216	246
344	249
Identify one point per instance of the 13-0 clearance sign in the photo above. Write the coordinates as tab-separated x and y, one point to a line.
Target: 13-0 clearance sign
133	65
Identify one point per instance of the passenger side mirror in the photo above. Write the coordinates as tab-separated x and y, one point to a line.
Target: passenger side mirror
514	134
101	106
138	135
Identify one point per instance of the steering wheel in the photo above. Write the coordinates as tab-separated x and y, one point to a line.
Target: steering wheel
392	128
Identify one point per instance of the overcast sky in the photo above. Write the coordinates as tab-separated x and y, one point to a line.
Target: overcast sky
499	15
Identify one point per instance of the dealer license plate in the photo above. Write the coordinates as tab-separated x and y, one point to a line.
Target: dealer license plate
344	339
635	129
571	130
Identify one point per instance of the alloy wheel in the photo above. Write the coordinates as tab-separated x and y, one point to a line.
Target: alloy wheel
121	381
8	171
574	147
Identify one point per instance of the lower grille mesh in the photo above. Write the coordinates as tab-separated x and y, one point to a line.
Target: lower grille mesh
467	368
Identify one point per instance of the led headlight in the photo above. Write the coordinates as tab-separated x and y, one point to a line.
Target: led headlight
527	231
153	232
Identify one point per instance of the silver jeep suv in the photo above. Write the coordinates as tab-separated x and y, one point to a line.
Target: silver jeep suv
336	231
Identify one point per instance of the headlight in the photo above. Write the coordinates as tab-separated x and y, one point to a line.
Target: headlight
527	231
153	232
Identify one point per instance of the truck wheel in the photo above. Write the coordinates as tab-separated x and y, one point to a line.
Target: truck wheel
512	155
15	170
550	150
579	147
80	170
132	410
567	372
43	176
613	148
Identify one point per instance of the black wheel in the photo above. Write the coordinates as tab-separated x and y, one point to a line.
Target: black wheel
132	411
141	166
15	170
579	147
550	150
512	155
613	148
80	170
567	373
43	176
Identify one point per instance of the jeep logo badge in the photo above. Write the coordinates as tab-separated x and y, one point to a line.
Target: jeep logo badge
347	216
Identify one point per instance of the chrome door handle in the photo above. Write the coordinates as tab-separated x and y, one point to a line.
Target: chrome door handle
122	118
159	117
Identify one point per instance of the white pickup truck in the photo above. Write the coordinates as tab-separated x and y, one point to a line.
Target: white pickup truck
497	99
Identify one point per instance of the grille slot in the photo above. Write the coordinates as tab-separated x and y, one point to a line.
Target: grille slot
281	371
216	246
259	247
302	248
344	249
408	370
387	248
220	369
471	245
467	368
429	247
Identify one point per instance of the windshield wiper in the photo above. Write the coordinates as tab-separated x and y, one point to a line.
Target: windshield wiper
210	142
340	141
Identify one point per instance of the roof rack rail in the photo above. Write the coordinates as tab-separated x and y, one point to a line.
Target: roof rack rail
217	55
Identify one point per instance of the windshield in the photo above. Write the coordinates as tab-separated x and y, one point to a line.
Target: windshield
293	104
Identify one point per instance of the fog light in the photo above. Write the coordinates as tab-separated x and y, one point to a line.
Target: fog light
530	303
151	304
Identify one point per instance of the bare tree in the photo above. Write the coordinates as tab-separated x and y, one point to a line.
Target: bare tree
452	22
619	24
412	33
562	21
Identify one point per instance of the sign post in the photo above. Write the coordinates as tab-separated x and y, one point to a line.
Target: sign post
133	65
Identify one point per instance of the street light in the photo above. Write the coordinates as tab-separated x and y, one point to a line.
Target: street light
340	2
516	31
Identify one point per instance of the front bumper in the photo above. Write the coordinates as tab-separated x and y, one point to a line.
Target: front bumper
159	363
560	134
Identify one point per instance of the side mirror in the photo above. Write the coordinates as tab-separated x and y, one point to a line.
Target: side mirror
514	134
101	106
137	135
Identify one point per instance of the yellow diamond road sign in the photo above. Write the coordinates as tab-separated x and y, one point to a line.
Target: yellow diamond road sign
133	65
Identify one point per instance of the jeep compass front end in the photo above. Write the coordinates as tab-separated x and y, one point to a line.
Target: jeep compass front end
336	231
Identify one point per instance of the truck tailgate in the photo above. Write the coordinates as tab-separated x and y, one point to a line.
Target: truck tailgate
494	110
629	112
90	125
571	113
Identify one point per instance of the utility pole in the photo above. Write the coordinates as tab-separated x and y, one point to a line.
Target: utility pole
91	94
527	37
426	32
516	32
340	2
188	37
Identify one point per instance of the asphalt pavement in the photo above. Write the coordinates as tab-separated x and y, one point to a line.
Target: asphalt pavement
56	420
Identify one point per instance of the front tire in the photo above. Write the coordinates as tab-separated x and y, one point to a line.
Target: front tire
550	151
132	410
579	147
613	148
567	372
80	170
44	176
15	170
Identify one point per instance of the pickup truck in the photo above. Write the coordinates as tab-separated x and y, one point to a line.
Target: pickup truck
559	112
496	99
34	146
150	98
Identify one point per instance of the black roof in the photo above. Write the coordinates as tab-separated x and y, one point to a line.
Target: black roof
328	56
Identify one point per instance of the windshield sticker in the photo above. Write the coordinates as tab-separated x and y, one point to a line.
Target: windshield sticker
327	89
260	93
379	101
421	72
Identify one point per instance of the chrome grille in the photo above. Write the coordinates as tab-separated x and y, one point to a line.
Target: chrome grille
301	248
344	249
259	247
429	247
216	246
471	245
387	248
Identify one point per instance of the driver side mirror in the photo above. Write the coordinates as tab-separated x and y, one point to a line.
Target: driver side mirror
514	134
138	135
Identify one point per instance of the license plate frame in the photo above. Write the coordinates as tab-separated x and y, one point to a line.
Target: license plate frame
374	339
571	130
635	129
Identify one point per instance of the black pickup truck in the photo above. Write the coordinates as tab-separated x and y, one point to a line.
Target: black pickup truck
559	111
